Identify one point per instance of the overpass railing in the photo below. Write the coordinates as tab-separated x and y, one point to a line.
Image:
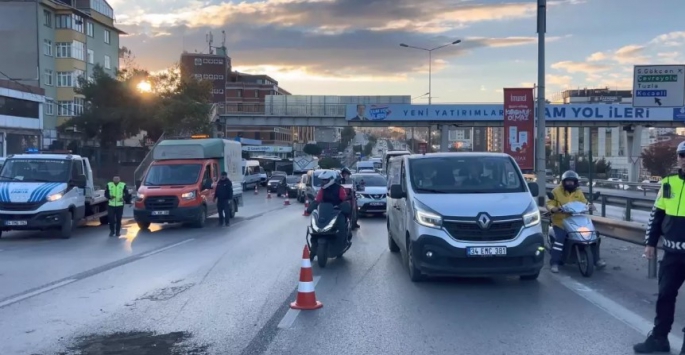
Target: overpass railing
279	109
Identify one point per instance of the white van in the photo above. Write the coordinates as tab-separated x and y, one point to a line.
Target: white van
251	174
464	214
389	155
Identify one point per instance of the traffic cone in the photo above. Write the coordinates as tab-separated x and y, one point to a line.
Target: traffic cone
306	207
306	297
256	190
268	194
287	200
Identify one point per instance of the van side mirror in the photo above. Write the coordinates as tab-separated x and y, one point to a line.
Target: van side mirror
550	196
79	181
595	196
138	183
396	191
534	189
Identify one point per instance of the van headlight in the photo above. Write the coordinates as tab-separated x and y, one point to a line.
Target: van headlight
189	195
428	219
532	216
55	197
140	197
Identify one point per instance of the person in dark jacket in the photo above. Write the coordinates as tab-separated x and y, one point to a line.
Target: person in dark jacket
346	180
223	195
118	195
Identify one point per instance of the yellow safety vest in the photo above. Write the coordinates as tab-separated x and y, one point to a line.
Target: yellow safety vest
674	205
116	193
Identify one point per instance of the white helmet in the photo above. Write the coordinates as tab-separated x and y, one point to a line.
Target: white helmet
681	147
327	175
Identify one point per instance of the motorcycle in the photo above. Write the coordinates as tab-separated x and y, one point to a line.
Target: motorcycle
329	232
582	240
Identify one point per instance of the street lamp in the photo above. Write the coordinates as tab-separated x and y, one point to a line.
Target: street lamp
430	63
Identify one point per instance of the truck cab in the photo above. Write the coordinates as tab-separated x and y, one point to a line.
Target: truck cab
48	191
179	184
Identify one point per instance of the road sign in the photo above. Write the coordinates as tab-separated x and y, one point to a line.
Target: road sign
659	86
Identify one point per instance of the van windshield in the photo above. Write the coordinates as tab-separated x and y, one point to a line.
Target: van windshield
468	175
176	174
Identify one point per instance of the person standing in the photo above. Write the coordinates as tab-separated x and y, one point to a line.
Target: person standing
118	196
223	194
667	220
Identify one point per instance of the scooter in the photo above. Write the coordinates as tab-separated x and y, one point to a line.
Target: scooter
329	232
582	240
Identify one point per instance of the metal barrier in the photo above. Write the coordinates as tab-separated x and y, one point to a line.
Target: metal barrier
630	232
627	203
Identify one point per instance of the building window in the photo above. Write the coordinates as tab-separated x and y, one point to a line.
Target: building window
78	23
63	50
198	61
63	21
47	18
240	93
107	34
10	106
78	50
49	107
101	7
90	30
108	64
47	47
20	143
91	56
256	93
64	108
78	106
48	77
77	74
65	79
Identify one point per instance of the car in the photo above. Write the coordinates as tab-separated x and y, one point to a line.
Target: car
292	181
464	214
276	184
371	193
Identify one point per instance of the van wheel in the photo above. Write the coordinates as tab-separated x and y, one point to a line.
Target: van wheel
67	226
394	248
143	225
414	273
202	220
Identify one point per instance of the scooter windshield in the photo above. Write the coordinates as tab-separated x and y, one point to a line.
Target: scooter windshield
327	212
575	207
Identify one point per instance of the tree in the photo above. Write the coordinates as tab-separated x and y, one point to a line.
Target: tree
658	159
368	149
312	149
602	166
346	136
329	163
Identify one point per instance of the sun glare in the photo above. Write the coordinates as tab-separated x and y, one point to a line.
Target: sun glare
144	86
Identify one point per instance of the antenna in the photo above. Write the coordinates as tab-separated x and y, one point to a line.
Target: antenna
210	41
223	40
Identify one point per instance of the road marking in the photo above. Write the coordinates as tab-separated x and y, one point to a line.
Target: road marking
166	248
292	314
36	292
616	310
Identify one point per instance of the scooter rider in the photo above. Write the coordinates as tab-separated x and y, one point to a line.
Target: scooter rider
667	220
330	192
346	179
566	192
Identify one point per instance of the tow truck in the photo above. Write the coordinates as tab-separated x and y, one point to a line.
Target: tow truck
49	191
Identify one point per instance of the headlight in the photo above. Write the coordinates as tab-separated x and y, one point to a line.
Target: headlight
585	232
188	195
55	197
532	216
140	197
428	219
328	227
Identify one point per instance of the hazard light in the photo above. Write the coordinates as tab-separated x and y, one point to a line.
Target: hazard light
199	136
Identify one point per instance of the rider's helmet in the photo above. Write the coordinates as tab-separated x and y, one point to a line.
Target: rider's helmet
681	148
327	178
569	180
345	171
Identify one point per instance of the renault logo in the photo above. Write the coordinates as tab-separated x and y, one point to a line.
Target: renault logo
484	221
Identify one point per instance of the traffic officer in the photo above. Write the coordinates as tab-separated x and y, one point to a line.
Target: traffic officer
223	194
118	196
667	220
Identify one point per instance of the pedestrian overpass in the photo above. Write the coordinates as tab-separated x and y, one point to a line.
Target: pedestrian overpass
466	115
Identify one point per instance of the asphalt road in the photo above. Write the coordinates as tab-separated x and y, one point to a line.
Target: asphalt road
226	291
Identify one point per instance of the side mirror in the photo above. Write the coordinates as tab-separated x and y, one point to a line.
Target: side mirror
396	191
596	195
79	181
550	196
138	183
534	189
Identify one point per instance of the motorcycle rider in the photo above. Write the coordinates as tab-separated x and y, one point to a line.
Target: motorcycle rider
346	179
330	192
567	191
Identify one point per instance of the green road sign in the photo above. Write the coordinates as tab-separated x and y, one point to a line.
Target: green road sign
657	78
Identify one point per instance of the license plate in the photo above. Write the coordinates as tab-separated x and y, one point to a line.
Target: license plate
376	204
16	223
486	251
160	213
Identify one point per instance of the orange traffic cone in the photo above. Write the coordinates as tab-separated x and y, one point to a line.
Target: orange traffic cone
306	297
286	202
306	207
256	190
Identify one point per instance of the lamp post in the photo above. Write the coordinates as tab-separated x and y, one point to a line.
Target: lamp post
542	134
444	139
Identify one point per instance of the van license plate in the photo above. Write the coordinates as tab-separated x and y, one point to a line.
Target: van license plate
16	223
486	251
160	213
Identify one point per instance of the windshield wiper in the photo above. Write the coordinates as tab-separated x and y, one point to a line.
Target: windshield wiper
11	178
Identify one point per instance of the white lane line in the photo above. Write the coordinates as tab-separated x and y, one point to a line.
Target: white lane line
292	314
166	248
616	310
36	292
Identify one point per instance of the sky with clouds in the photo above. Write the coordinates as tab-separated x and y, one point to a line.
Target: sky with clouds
351	47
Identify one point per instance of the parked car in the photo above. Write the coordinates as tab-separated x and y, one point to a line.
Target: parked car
277	184
292	182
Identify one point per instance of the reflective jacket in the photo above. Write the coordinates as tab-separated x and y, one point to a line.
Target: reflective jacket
668	215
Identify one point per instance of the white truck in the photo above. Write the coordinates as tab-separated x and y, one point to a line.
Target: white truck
49	191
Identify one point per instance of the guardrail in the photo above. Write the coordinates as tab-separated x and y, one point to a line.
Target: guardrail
644	187
630	232
629	204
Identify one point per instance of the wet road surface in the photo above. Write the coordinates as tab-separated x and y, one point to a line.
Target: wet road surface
226	291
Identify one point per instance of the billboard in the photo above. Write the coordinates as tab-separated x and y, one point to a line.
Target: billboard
495	112
519	126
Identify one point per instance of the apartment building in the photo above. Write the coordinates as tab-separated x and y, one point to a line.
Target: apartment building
21	117
50	44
